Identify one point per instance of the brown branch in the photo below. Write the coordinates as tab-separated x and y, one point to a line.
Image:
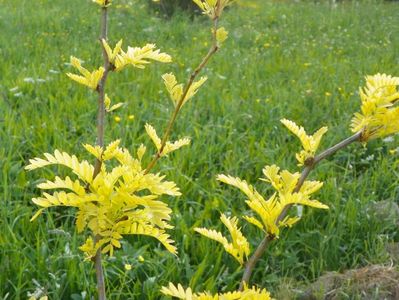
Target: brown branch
100	142
310	165
101	89
251	262
99	272
213	49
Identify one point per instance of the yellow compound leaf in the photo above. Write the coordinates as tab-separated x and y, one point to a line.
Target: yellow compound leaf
90	79
272	176
141	151
270	211
213	235
187	294
112	150
107	104
239	241
310	187
115	203
239	248
299	198
112	53
170	147
241	184
139	57
103	3
175	90
159	234
94	150
177	292
221	35
155	183
254	221
83	169
211	7
194	88
58	199
310	143
89	248
66	183
379	109
115	106
289	222
152	133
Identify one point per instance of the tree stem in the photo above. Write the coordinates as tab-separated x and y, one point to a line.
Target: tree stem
252	261
100	142
99	273
250	264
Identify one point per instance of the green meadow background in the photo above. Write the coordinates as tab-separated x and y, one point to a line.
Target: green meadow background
298	60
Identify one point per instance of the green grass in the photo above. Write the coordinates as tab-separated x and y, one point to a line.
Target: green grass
280	61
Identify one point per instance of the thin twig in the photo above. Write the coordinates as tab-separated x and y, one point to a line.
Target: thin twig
100	142
213	49
310	165
250	264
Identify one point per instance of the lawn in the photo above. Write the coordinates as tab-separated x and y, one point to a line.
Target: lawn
298	60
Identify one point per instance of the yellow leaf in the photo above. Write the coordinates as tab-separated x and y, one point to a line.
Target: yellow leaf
270	211
121	201
66	183
212	8
141	151
115	107
107	102
90	79
239	248
38	213
97	151
175	90
310	143
254	221
170	147
112	54
103	3
379	109
153	135
139	57
83	169
177	292
221	35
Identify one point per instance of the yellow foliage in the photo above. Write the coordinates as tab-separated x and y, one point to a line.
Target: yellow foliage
379	113
90	79
103	3
270	210
112	54
175	90
118	202
221	35
310	143
169	146
107	104
239	248
211	7
139	57
187	294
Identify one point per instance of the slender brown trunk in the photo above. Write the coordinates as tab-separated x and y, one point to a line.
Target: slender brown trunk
100	142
